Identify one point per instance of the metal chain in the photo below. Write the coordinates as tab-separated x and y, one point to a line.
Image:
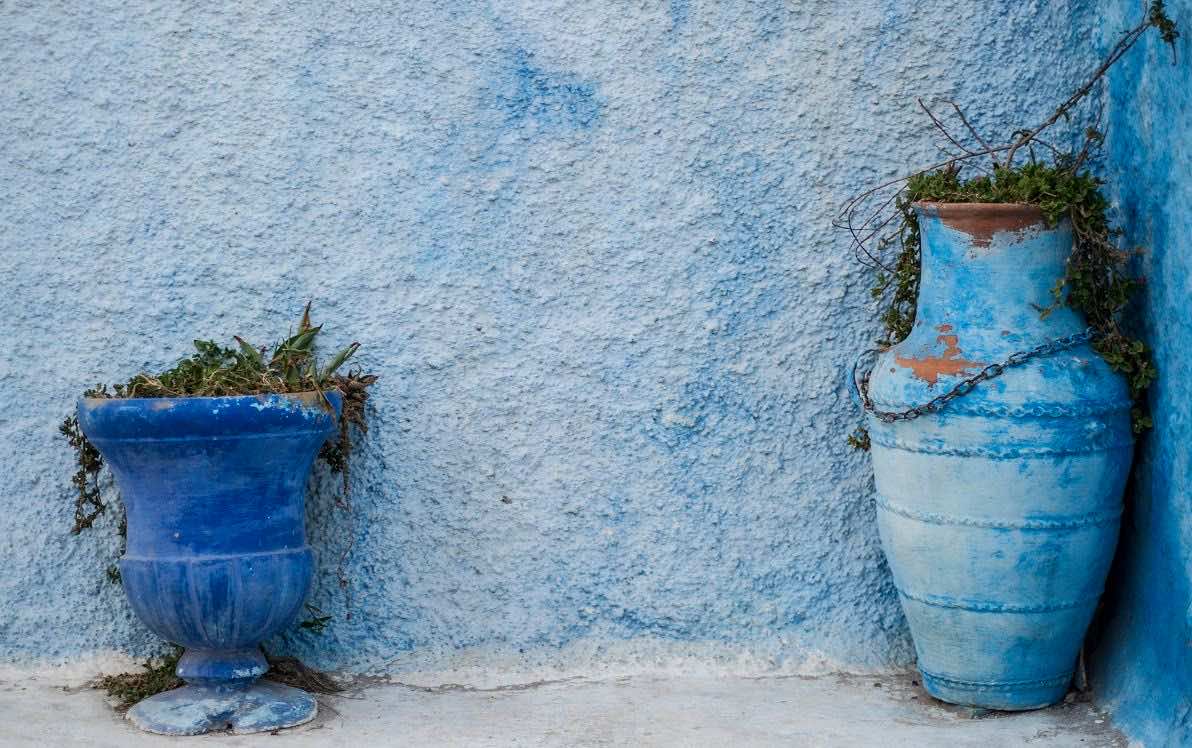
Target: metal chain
968	385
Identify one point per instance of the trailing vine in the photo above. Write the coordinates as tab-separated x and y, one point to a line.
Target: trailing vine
886	237
88	501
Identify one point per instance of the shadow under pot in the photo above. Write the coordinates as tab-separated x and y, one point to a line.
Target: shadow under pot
217	559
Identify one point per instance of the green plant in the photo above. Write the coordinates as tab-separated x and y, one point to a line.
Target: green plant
88	500
859	439
1097	281
214	371
317	621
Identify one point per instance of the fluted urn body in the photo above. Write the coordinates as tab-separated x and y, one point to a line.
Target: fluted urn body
999	514
217	559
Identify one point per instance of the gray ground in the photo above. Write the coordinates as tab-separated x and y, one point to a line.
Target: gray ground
829	711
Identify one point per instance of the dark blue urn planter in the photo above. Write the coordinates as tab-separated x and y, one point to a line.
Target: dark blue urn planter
217	559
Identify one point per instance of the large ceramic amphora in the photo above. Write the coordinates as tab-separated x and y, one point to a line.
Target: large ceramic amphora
999	513
217	559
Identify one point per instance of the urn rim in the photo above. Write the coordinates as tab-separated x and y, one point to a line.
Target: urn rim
945	209
307	397
224	416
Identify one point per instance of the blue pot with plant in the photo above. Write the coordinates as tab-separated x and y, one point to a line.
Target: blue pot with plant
212	460
999	512
1002	402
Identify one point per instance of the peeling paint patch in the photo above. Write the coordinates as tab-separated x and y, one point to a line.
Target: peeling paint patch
950	363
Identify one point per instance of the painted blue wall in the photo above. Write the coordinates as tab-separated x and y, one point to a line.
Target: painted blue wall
1143	664
587	246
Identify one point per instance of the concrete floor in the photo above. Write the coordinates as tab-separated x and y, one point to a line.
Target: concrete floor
679	711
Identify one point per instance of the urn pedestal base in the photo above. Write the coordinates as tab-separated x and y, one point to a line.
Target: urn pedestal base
194	710
223	692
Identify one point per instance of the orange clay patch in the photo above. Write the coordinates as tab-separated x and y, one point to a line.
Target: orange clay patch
980	221
930	368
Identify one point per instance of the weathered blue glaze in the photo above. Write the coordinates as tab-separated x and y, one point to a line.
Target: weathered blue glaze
999	514
1141	665
587	246
217	559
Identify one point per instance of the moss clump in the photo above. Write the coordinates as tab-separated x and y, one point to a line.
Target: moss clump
129	688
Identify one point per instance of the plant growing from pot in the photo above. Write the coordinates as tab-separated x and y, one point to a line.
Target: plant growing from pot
1002	402
212	459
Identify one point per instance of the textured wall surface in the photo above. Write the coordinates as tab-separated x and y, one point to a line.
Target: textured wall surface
1144	656
587	246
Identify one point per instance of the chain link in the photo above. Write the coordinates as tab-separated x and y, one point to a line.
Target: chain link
991	371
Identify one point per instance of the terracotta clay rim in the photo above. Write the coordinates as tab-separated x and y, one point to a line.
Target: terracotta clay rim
973	210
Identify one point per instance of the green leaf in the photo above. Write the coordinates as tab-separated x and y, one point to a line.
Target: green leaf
249	350
338	360
304	340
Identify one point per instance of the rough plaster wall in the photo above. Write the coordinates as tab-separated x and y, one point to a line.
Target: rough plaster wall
1144	655
588	249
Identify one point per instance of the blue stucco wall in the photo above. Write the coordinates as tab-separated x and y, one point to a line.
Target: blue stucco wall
588	248
1143	663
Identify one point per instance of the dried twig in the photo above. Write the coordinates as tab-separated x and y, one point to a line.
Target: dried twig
972	130
1123	45
862	233
293	672
940	126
